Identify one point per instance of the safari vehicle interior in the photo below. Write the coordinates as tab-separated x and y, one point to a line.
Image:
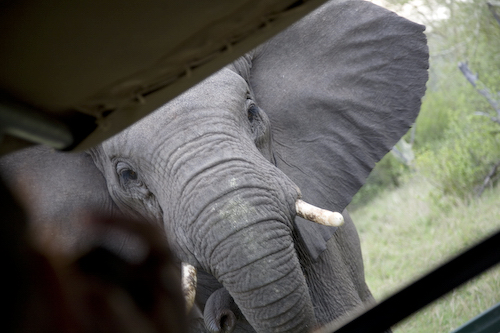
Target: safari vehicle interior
74	74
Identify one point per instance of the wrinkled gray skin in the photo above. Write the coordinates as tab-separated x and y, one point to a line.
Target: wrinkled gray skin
219	168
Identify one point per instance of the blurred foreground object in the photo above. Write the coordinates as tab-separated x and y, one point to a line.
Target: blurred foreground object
99	291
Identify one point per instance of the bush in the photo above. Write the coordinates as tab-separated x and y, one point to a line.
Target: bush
434	117
462	161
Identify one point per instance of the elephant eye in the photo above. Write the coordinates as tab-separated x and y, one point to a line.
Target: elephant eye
125	172
128	174
253	113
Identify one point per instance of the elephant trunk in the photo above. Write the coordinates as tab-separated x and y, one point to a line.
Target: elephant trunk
255	260
268	287
230	212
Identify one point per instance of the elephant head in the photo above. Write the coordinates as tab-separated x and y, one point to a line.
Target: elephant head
307	114
224	207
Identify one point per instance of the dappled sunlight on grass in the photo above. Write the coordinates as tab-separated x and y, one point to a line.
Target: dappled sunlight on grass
408	231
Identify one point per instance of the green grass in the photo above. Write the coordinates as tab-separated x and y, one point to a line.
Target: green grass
408	231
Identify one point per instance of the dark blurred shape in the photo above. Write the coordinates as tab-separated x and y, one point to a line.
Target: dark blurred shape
99	291
14	249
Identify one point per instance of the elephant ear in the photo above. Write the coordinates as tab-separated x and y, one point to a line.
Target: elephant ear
340	88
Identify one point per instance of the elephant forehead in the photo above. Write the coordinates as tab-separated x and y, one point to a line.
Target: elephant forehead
224	93
225	88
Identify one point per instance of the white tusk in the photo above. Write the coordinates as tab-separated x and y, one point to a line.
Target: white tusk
318	215
188	284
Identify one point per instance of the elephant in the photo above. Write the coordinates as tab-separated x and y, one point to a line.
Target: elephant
220	168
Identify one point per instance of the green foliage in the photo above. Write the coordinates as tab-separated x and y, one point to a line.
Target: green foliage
455	148
463	160
434	118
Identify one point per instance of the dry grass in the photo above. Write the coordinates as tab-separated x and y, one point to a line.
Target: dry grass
408	231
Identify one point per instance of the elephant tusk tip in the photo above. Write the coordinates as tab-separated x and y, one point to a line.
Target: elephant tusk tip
318	215
335	219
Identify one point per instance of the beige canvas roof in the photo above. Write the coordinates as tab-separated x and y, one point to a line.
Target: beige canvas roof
73	73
